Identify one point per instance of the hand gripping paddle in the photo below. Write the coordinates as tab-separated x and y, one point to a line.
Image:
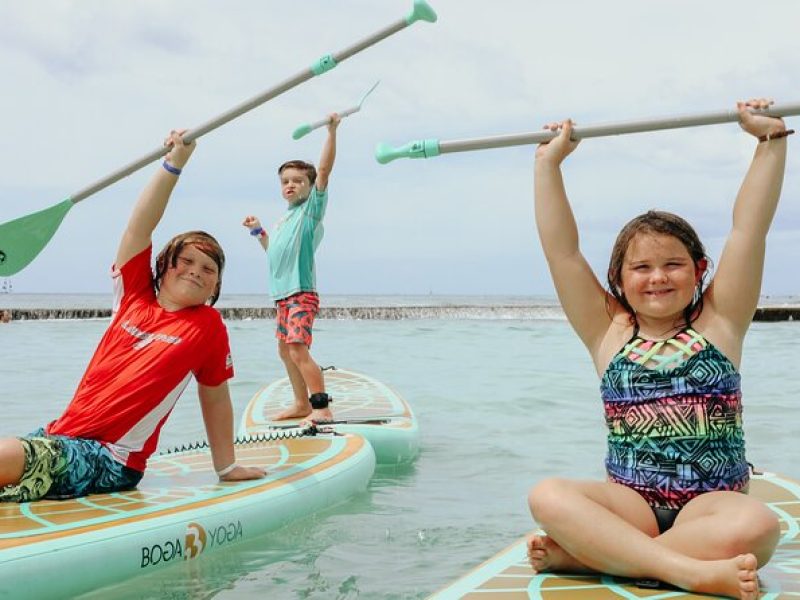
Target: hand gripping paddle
307	128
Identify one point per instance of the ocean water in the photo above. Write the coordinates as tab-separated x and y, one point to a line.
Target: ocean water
444	302
17	300
501	404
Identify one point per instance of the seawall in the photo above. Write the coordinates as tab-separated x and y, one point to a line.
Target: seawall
386	313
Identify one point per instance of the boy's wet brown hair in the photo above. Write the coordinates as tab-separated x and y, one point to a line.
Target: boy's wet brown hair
205	242
309	169
661	223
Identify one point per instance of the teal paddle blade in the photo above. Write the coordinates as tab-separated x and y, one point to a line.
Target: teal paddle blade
22	239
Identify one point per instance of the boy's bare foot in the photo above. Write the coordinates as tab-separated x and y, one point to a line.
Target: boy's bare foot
293	412
320	414
545	555
735	578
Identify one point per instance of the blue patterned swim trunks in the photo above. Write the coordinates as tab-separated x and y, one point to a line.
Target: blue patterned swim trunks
59	467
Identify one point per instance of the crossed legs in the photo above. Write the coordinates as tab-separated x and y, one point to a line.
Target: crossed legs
715	546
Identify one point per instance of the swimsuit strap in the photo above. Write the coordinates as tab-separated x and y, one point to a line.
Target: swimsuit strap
686	343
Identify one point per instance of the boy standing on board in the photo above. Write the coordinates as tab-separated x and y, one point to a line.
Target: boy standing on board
163	332
292	275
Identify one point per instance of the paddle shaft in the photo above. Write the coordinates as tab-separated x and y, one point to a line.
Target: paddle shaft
237	111
619	128
362	421
308	128
342	114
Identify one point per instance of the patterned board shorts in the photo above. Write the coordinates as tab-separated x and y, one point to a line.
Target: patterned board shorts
295	316
59	467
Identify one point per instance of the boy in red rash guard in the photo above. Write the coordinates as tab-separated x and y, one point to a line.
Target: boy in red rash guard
163	332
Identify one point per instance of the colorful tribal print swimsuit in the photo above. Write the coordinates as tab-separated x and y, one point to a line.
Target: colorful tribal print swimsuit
674	421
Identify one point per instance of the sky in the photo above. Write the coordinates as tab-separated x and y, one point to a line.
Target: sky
91	85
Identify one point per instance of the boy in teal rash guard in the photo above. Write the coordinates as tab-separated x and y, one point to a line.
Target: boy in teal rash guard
292	275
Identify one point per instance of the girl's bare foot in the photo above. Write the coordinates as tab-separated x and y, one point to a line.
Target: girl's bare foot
545	555
735	578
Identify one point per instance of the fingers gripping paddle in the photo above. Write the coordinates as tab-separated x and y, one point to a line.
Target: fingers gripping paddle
22	239
432	147
307	128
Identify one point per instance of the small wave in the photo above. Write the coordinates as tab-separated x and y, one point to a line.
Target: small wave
381	313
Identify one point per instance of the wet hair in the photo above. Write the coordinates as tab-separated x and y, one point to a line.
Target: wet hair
308	168
205	242
660	223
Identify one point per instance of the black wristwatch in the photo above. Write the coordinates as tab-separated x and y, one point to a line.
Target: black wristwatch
320	400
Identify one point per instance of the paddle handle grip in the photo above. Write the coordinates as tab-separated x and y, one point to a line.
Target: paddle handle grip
421	11
307	128
384	153
431	147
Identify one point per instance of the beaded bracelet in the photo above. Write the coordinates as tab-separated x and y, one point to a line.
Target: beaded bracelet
226	470
775	136
170	168
258	231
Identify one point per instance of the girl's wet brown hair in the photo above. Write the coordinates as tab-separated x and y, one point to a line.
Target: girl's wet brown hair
661	223
205	242
309	169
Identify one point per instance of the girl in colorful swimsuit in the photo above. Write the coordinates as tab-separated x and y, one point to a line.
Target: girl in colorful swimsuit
667	348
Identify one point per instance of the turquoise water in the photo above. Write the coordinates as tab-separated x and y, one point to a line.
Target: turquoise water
501	404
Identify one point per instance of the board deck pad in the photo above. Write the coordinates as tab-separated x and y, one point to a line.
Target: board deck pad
179	510
358	398
508	576
172	480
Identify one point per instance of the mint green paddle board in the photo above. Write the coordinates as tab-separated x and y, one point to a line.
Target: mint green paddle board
508	576
361	405
179	512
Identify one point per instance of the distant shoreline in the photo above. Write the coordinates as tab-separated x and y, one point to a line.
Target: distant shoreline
385	313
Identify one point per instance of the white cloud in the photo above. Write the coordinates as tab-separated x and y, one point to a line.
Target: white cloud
92	85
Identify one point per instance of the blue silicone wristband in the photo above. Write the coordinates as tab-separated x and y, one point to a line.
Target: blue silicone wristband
257	231
171	169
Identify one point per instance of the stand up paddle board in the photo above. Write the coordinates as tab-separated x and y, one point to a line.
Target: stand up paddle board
508	575
361	405
180	511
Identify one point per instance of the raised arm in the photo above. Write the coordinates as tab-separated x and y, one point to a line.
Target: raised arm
153	200
328	156
257	231
734	292
215	403
582	297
